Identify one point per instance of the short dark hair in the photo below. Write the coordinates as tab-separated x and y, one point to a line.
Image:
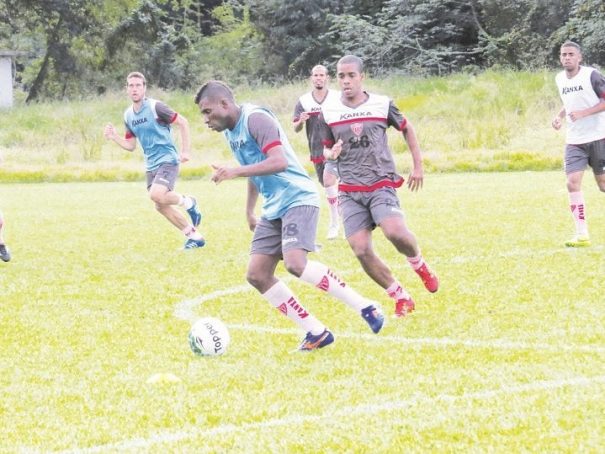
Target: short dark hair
137	75
214	89
572	44
354	59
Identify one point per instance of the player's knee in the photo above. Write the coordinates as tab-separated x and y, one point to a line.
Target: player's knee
294	267
255	279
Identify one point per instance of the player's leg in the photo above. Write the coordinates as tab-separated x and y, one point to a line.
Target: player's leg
265	255
597	159
160	185
330	183
576	160
358	225
5	255
298	238
387	213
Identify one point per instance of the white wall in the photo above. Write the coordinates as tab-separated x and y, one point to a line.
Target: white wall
6	82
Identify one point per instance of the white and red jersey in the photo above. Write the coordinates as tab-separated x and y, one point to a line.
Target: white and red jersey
366	162
586	89
308	103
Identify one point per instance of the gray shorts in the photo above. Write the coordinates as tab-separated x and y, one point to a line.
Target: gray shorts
165	175
296	230
329	166
577	157
366	210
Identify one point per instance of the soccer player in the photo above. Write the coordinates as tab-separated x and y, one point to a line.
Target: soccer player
288	224
149	121
306	113
582	90
354	133
5	254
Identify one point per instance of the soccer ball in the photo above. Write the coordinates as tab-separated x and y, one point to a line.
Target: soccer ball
209	337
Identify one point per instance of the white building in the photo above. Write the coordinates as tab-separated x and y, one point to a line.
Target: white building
6	77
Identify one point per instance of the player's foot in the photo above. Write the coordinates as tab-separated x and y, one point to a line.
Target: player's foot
5	254
195	213
332	232
373	316
311	342
578	241
194	244
429	279
403	307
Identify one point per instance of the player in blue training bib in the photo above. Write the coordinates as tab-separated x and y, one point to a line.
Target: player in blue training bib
149	121
288	223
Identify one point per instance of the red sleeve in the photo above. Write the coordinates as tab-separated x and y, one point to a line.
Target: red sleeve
265	131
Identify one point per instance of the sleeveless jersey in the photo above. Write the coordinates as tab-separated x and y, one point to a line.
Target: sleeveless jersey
584	90
366	162
280	191
307	103
151	127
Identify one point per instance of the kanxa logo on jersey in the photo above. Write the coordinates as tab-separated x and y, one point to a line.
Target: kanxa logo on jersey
567	90
351	115
357	128
236	144
140	121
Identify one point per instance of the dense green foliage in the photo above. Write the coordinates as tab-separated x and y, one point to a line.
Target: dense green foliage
75	47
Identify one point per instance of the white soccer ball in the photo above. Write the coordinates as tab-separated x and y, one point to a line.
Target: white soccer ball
209	337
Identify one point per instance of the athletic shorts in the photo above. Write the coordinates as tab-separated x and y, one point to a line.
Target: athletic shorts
295	230
164	175
329	166
366	210
577	157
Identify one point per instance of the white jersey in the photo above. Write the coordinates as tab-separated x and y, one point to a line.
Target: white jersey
582	91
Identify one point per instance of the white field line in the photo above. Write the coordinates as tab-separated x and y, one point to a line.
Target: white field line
336	415
185	311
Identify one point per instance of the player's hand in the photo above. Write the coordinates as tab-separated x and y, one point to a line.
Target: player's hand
333	153
304	116
185	156
110	131
222	173
576	115
252	221
556	123
415	179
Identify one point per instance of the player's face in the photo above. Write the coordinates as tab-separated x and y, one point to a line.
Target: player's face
570	58
135	87
215	114
349	80
319	78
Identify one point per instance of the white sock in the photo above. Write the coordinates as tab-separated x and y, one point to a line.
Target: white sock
332	196
320	276
192	232
282	298
186	202
397	292
416	262
576	203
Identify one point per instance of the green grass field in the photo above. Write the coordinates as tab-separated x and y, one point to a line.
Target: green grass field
509	355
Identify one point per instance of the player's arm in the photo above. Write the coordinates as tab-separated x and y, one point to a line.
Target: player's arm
183	125
265	131
167	115
300	117
597	81
416	177
128	143
557	121
251	199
